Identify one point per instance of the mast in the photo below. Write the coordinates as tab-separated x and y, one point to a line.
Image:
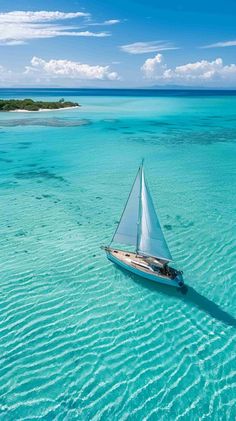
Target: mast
139	206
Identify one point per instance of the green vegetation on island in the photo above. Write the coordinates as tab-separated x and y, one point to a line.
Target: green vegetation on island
30	105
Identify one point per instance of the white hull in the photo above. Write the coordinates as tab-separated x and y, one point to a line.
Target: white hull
128	261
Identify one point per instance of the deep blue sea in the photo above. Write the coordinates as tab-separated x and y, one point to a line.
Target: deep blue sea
81	339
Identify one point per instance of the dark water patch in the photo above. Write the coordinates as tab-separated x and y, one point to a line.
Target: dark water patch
147	131
32	165
168	227
205	137
46	196
155	137
137	139
182	222
47	122
112	129
128	132
38	197
7	161
8	184
3	152
43	174
160	123
21	233
230	119
150	140
210	117
177	223
24	145
188	224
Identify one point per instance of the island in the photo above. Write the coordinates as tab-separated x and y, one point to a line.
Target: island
30	105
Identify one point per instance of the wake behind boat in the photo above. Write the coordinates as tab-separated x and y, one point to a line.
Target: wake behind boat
139	227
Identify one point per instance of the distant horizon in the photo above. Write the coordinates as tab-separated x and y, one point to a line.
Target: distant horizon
144	88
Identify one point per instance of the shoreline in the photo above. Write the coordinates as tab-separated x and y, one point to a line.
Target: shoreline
41	110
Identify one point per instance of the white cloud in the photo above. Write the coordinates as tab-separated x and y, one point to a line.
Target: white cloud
11	42
221	44
147	47
69	69
111	22
203	71
153	67
108	22
41	16
12	35
18	27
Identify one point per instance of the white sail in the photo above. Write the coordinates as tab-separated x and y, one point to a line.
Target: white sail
139	225
151	241
127	230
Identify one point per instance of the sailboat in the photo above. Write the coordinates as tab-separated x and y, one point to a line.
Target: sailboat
140	228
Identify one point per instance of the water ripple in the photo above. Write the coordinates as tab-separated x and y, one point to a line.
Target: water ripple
82	339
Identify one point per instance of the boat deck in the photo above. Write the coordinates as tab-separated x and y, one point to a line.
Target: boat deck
141	263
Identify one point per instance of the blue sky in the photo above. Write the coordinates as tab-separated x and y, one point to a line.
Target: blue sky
117	43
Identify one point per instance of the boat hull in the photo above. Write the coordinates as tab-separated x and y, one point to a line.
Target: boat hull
176	282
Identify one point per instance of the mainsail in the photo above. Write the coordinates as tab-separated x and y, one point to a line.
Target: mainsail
127	230
139	225
151	239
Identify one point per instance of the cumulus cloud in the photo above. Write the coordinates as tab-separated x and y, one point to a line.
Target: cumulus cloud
20	26
69	69
221	44
153	67
147	47
190	73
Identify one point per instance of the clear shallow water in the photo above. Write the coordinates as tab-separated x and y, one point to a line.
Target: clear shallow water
81	339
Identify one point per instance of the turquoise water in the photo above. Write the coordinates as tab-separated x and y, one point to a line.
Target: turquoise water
80	338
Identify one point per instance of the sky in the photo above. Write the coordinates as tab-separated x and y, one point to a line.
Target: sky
118	44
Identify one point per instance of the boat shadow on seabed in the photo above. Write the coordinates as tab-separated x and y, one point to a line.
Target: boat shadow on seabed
189	295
